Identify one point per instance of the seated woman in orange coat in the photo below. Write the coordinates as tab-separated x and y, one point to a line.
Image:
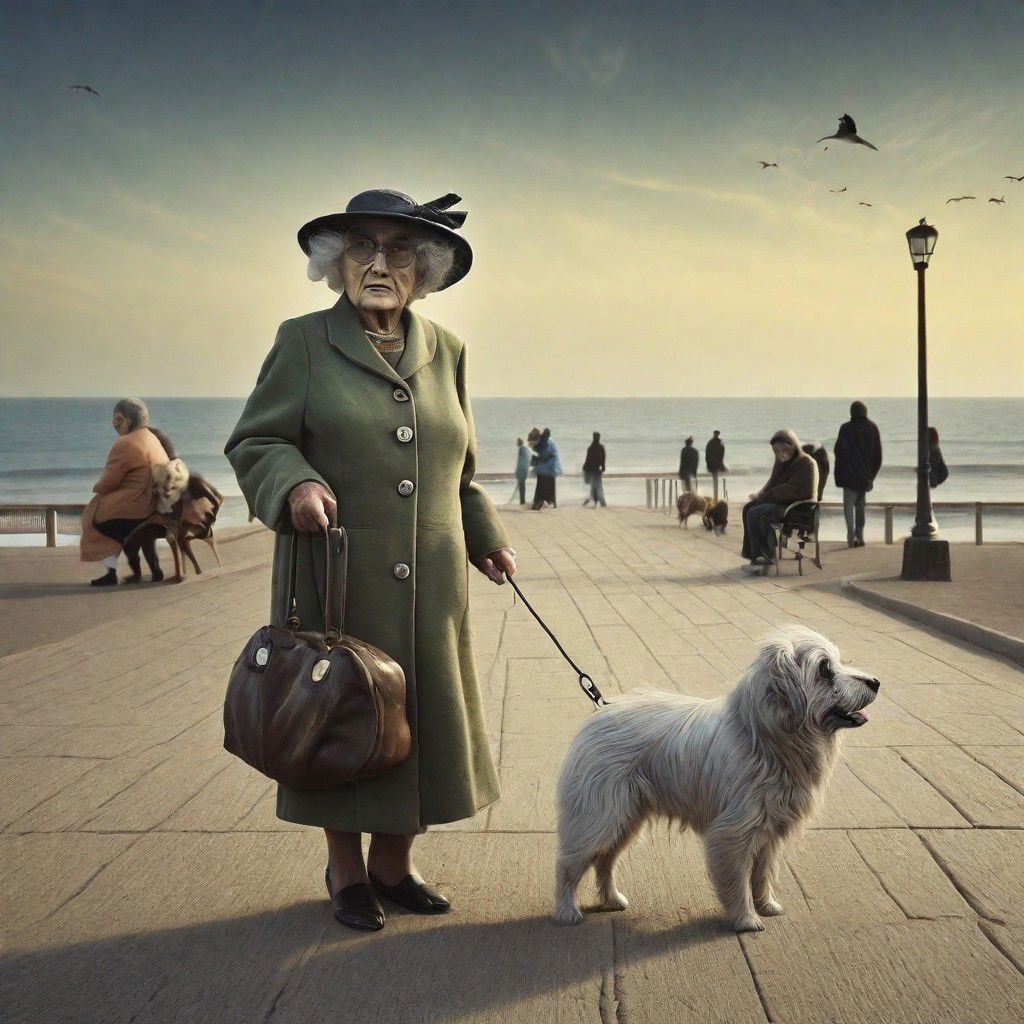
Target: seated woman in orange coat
123	495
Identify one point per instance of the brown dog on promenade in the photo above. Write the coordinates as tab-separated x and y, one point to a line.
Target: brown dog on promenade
689	504
716	517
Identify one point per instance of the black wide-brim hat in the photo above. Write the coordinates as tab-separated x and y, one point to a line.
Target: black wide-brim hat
434	218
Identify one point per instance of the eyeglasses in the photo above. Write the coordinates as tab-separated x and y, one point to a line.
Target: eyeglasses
396	254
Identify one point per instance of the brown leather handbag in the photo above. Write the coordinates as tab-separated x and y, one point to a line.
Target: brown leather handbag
314	710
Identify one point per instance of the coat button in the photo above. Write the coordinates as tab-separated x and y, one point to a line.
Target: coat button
404	434
401	571
406	487
400	395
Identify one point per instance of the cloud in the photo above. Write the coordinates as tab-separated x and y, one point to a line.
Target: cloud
578	56
651	183
167	219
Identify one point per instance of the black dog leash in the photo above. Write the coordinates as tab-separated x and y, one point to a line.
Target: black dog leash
587	684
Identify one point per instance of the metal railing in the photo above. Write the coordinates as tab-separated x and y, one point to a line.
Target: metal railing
662	492
48	519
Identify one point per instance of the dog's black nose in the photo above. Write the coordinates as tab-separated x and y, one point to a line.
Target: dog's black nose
873	683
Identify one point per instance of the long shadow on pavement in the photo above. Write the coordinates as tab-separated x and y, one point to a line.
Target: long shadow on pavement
297	964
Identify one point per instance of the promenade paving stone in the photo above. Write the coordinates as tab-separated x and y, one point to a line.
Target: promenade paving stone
976	791
147	877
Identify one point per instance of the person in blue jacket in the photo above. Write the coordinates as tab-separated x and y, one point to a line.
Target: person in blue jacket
546	466
522	468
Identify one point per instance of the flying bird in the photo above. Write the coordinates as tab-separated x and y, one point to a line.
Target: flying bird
1002	199
847	132
1010	177
862	203
843	189
765	165
959	199
83	88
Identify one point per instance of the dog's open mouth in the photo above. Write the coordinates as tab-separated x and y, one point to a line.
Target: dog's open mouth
847	719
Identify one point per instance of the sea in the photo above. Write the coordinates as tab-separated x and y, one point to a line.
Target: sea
53	449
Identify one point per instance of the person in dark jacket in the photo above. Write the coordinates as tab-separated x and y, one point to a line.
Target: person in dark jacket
593	471
858	451
794	477
938	471
689	463
820	456
714	459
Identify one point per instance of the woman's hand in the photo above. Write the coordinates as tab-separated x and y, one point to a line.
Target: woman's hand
495	565
313	507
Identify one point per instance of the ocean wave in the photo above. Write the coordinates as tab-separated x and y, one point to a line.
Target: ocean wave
58	472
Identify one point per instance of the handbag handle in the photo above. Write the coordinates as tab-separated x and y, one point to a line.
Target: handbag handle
335	582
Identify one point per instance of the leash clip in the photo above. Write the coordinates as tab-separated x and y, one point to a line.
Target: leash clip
589	687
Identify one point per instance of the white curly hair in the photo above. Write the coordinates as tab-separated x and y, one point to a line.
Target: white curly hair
434	261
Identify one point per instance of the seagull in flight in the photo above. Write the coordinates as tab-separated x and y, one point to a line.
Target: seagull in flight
765	165
1010	177
1000	200
83	88
837	190
862	203
847	132
959	199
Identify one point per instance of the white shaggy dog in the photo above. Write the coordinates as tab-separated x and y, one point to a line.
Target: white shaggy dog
169	482
743	770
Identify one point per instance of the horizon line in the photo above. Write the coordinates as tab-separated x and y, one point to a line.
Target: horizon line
571	398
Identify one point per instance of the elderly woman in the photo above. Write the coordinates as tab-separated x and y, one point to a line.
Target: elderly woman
794	477
361	414
123	495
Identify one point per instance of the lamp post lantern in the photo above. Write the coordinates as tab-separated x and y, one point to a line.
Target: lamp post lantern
925	556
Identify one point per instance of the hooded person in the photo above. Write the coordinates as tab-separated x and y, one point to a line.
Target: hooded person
858	451
593	471
794	477
689	461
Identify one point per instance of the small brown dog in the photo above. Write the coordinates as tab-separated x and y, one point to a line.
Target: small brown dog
716	517
689	504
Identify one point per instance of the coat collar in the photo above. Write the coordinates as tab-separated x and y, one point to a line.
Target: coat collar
345	332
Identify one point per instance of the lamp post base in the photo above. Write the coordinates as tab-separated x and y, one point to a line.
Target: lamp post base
926	559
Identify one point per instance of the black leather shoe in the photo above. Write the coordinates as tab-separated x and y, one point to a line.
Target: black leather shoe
356	906
415	896
108	579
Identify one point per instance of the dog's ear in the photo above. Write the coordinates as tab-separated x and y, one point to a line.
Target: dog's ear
784	682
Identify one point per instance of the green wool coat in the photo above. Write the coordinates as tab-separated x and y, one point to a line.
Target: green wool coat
328	407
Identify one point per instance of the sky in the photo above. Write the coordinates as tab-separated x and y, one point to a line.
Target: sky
626	239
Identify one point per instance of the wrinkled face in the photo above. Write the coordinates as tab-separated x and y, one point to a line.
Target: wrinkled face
379	285
836	694
783	452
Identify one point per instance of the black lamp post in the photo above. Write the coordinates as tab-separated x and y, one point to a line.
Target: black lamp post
925	556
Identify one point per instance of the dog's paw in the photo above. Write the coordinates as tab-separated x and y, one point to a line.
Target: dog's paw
568	915
615	902
770	909
748	923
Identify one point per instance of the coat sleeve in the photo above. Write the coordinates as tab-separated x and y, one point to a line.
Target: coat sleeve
119	462
480	521
265	448
801	486
876	464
